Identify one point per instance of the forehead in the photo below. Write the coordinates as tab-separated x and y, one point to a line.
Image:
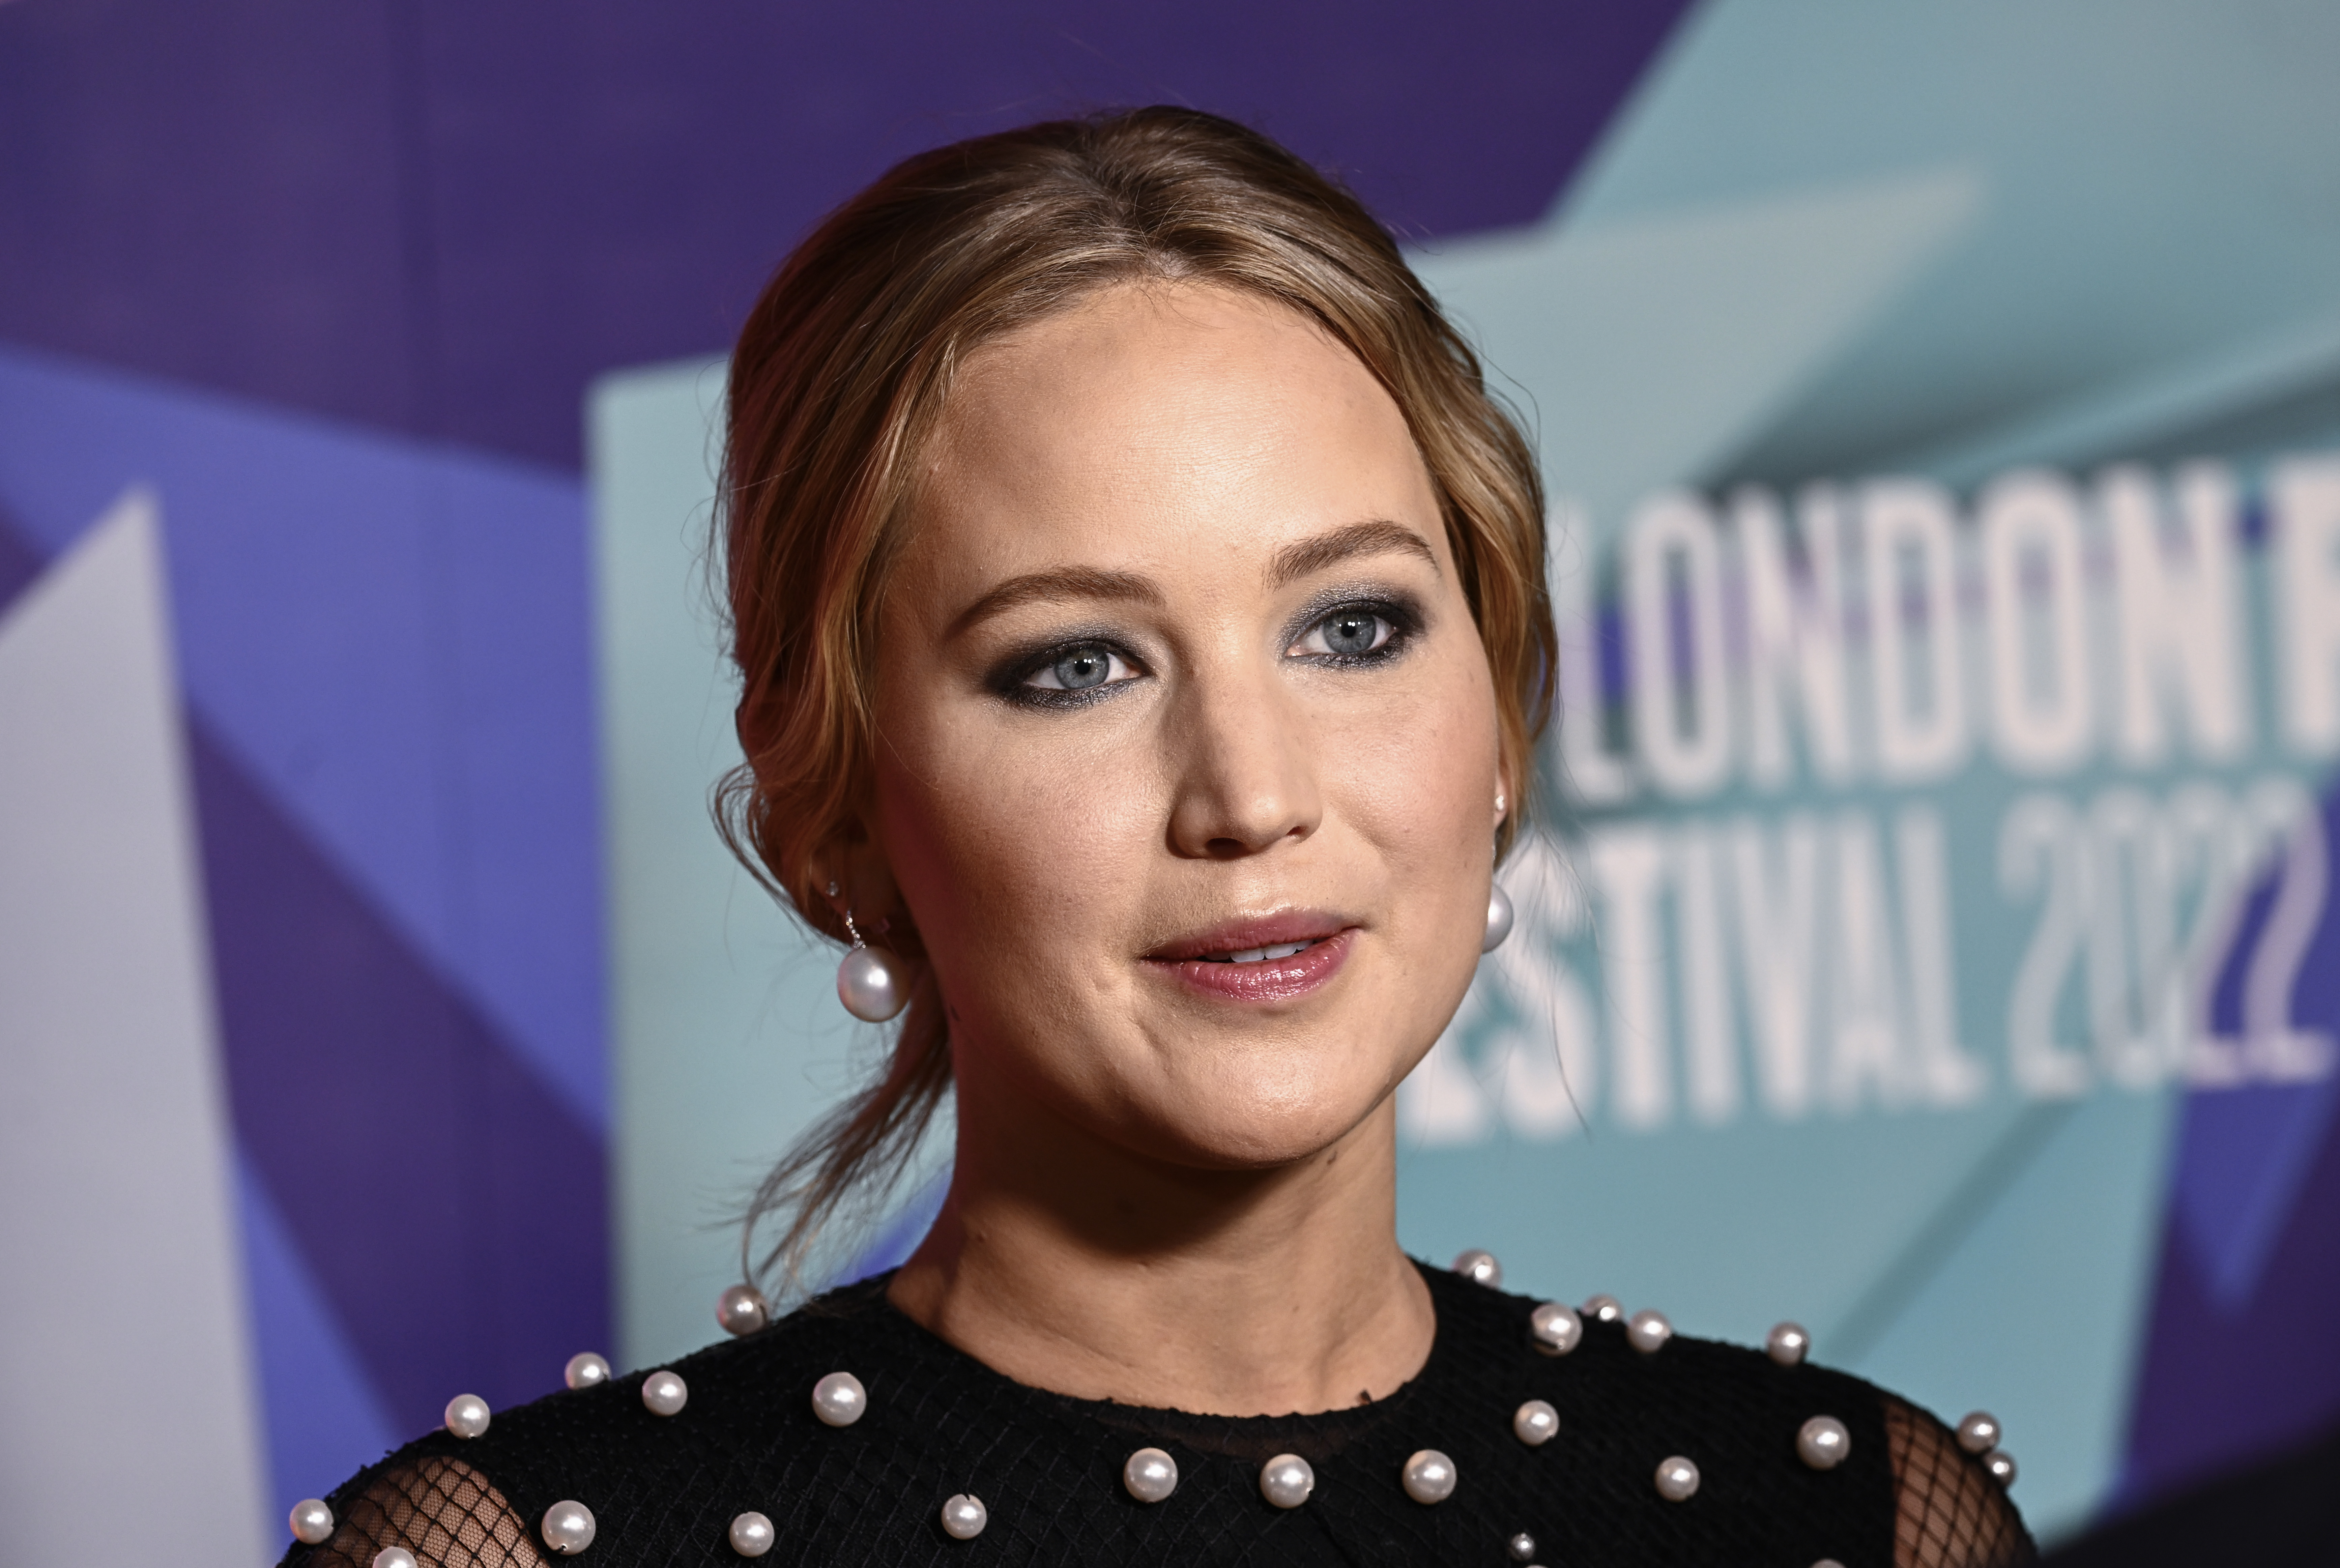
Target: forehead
1159	420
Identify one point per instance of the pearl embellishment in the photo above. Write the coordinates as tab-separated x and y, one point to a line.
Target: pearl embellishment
1498	917
869	983
568	1527
312	1521
1479	1266
1557	1329
742	1310
1150	1476
840	1399
1828	1562
753	1534
1823	1443
963	1517
1535	1424
665	1394
1286	1481
1428	1476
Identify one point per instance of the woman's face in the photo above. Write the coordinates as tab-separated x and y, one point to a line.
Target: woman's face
1187	768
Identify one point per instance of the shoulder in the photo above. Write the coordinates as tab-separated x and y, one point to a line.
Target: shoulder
1780	1449
1695	1445
753	1393
648	1452
1603	1342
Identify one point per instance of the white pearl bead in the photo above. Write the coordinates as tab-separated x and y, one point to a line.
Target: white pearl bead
1980	1432
1150	1476
1479	1266
1498	917
312	1521
1428	1476
1677	1479
467	1416
753	1534
840	1399
584	1370
1286	1481
2002	1465
1522	1546
665	1394
1787	1344
568	1527
870	984
742	1309
1535	1424
964	1517
1603	1308
1648	1332
1823	1442
1557	1329
393	1557
1828	1562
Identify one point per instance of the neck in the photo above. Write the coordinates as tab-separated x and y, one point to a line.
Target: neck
1072	1265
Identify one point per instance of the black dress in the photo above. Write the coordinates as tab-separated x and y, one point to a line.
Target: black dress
1048	1468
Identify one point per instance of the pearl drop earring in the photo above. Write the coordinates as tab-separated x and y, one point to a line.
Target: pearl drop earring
1499	903
870	981
1498	917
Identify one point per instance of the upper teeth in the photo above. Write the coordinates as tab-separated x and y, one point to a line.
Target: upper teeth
1259	955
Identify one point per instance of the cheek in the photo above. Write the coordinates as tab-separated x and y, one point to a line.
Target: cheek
1420	782
1001	845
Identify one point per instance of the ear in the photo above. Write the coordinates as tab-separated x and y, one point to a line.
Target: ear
863	881
1506	786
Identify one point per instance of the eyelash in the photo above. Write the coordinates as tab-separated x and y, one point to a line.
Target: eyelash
1401	621
1020	688
1014	684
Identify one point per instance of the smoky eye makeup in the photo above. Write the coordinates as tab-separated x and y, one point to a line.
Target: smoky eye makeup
1352	627
1064	672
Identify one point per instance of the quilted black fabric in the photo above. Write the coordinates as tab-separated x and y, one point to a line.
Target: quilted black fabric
664	1490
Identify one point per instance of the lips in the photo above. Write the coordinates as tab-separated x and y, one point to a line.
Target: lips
1274	959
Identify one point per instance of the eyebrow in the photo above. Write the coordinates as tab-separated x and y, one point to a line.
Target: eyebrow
1064	584
1057	586
1377	536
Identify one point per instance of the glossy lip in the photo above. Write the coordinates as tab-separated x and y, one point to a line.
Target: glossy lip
1190	959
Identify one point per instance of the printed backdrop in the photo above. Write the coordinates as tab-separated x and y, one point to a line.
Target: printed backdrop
1925	937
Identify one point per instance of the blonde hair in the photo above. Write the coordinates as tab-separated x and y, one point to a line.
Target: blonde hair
838	377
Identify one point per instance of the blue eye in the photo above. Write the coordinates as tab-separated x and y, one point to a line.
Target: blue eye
1080	669
1350	632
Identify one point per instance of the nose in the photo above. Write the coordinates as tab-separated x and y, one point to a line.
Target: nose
1246	777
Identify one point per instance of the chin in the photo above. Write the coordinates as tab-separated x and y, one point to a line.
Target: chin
1262	1129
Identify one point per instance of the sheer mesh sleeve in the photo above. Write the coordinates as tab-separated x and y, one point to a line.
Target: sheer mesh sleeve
443	1510
1948	1510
